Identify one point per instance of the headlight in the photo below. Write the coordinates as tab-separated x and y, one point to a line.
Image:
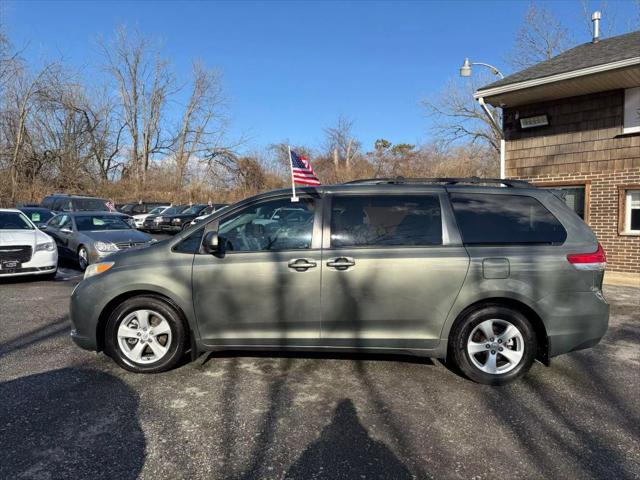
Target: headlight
106	247
49	246
176	220
97	268
159	219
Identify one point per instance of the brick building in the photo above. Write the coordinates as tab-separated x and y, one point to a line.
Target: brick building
573	123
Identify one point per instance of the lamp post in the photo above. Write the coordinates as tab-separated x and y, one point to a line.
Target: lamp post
465	71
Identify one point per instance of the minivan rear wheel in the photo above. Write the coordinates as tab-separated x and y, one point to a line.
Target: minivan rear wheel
494	345
145	334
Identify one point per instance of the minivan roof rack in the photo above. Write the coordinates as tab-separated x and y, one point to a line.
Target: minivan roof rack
445	180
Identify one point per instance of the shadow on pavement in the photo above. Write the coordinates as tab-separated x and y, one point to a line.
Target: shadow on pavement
57	328
319	355
345	450
70	423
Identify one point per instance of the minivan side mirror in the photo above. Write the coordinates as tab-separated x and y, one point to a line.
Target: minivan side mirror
211	243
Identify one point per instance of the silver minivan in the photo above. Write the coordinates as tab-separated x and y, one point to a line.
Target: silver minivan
489	275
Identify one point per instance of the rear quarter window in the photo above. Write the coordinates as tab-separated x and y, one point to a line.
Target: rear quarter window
494	219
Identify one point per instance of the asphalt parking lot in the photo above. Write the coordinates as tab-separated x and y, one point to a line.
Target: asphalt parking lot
68	413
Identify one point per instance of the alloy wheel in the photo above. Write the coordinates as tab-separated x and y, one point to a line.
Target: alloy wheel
144	336
495	346
83	258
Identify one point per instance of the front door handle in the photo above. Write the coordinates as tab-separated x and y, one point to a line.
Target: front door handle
302	264
341	263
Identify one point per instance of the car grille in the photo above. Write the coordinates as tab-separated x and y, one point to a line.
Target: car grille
125	245
18	253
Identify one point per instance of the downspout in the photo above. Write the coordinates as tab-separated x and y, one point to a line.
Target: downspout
498	129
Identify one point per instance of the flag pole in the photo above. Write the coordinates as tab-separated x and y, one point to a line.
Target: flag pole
293	182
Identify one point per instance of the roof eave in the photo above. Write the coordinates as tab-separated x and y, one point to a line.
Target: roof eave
512	87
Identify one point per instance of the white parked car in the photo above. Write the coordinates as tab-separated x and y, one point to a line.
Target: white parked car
140	217
25	250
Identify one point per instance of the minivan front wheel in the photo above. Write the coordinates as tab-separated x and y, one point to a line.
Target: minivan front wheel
494	345
145	334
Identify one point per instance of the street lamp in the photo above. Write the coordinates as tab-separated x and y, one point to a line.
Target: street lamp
465	69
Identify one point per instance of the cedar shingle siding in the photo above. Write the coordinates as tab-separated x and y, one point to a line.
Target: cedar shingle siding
583	143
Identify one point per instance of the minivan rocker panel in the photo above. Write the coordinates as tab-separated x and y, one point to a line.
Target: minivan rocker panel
457	272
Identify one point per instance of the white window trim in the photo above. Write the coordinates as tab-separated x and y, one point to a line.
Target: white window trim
631	110
627	211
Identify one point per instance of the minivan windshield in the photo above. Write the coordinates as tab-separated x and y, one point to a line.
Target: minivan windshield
14	221
90	205
100	222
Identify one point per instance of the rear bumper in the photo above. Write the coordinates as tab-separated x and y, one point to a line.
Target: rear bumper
574	320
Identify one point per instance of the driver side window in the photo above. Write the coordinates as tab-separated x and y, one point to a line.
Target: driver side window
65	222
268	226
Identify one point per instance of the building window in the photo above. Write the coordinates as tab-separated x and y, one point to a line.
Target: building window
631	210
575	196
632	110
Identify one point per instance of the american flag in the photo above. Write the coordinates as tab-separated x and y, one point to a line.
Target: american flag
110	205
302	171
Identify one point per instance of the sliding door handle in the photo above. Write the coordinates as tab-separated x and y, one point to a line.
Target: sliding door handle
341	263
302	264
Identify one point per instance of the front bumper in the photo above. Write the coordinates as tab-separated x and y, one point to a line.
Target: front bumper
152	226
171	228
41	263
85	306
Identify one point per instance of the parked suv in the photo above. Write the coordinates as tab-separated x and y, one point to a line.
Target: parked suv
488	277
139	208
74	203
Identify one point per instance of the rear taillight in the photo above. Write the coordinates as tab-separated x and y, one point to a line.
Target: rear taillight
589	261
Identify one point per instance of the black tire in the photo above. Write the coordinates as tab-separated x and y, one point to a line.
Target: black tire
179	340
81	262
463	329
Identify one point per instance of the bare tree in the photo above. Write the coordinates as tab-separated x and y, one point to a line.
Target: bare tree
341	142
541	37
144	83
202	121
102	132
24	100
458	117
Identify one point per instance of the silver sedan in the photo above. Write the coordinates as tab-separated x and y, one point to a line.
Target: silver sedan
88	237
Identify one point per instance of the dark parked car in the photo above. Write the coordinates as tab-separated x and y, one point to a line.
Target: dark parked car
152	222
89	237
208	211
179	221
74	203
38	215
136	208
488	277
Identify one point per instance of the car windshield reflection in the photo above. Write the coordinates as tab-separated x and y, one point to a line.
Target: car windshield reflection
100	222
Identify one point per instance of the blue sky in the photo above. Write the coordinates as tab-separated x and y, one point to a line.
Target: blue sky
291	68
